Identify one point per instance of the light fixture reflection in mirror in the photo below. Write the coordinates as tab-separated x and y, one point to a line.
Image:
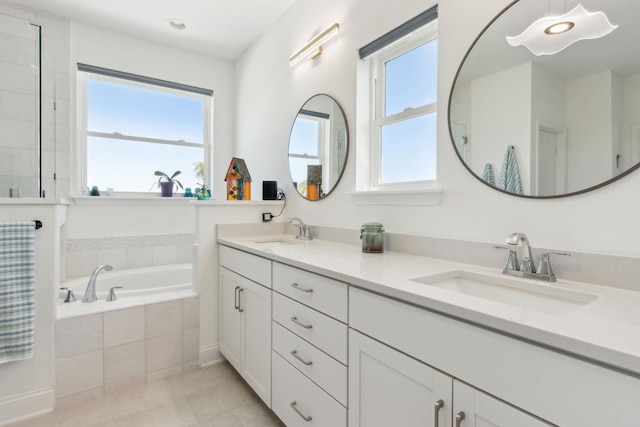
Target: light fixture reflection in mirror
573	118
318	147
552	34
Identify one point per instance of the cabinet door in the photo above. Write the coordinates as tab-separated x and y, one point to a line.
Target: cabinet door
231	334
473	408
388	388
255	303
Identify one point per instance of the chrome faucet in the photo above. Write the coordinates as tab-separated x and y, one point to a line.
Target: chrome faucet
304	231
90	293
527	262
527	268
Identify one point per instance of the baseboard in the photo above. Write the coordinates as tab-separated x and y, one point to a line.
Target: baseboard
210	355
27	405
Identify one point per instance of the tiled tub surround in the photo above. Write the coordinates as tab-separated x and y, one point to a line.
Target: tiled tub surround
83	255
102	351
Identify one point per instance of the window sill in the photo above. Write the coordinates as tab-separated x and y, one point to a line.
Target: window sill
423	197
164	201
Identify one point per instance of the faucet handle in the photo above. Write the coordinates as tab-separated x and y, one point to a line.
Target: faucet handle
544	266
512	259
112	293
70	296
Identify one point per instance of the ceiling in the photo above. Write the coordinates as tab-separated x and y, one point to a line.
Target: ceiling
615	52
220	28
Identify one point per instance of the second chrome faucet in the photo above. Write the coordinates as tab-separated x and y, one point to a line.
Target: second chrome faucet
526	268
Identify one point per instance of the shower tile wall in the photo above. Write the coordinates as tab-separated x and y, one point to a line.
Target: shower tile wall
19	89
103	351
84	255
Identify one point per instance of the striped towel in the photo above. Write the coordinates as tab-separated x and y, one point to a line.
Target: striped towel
17	290
510	175
488	175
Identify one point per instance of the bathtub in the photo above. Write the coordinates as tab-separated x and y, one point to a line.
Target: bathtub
140	286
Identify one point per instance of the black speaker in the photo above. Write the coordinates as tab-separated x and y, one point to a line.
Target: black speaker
269	190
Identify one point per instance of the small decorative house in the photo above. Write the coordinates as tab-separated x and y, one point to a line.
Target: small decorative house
238	180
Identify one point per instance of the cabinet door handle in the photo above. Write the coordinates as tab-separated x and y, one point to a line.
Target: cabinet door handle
459	418
240	300
294	353
439	404
297	322
298	287
236	304
303	416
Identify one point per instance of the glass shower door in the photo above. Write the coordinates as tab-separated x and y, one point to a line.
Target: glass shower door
20	148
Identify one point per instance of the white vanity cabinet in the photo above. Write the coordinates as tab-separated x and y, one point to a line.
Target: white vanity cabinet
400	390
310	336
245	317
495	379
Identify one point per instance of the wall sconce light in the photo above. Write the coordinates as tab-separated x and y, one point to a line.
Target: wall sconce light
313	47
550	35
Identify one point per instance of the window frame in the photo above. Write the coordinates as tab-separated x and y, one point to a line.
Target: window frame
83	76
378	119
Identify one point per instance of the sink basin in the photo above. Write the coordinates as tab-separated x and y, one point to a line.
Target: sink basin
519	293
276	242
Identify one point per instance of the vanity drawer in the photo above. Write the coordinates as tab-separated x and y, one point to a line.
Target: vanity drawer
322	293
323	370
320	330
296	397
245	264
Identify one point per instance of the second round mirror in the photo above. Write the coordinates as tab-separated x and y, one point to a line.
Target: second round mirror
318	147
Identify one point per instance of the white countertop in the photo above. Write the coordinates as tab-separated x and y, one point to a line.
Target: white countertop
605	330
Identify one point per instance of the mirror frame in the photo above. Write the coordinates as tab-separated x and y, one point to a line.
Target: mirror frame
346	157
455	149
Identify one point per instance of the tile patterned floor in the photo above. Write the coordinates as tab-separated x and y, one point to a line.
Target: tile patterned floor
206	397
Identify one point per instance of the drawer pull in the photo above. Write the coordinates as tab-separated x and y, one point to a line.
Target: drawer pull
236	304
439	404
303	416
294	353
297	322
296	286
240	300
459	418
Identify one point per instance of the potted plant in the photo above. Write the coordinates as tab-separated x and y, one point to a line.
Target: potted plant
167	183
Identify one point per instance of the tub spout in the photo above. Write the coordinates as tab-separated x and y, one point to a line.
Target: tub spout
90	293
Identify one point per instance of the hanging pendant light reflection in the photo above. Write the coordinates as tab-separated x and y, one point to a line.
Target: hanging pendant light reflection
551	34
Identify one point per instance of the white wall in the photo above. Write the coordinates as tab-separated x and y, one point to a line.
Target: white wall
589	116
502	101
269	94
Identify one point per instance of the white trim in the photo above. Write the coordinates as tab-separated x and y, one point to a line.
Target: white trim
164	201
210	355
27	405
425	197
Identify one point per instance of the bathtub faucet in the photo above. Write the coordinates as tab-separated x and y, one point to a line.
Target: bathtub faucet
90	293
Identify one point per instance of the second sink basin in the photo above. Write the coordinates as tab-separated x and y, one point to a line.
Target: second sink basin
519	293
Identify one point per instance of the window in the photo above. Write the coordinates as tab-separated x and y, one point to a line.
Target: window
133	126
399	150
404	122
307	139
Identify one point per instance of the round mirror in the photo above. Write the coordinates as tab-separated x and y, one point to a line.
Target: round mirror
318	147
550	124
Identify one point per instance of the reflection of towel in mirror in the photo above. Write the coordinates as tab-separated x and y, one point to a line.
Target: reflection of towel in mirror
488	176
510	175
